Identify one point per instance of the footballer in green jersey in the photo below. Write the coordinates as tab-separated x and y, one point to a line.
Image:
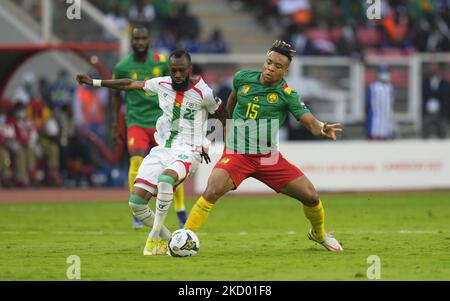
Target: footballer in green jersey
258	104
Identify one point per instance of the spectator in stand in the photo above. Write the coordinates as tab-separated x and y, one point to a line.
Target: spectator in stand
166	12
188	25
22	148
348	43
118	17
28	88
76	162
396	29
380	107
295	11
142	13
89	109
430	38
216	43
436	103
296	36
61	92
188	28
44	90
47	148
6	138
353	11
50	143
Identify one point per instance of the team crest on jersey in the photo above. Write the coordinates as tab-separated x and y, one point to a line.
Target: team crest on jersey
134	75
225	160
272	98
245	90
183	157
156	71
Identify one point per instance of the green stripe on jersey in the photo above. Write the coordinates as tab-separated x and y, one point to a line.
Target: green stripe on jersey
176	113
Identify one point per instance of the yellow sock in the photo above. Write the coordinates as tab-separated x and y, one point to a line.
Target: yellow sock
178	198
135	162
316	216
198	215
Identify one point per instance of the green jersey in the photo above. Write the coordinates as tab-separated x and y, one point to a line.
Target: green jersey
259	112
142	107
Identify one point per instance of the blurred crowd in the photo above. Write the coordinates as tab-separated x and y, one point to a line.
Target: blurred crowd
171	23
342	27
41	132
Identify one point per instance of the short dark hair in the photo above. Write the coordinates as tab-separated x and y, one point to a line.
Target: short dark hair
140	28
283	48
179	54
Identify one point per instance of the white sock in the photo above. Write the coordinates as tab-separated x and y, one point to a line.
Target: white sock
143	213
163	202
147	216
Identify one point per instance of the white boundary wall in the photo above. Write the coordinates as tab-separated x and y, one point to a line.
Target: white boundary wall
358	166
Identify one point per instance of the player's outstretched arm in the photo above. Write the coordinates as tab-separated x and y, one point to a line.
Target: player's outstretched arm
118	84
318	128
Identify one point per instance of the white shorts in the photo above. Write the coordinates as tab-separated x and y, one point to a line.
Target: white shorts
161	158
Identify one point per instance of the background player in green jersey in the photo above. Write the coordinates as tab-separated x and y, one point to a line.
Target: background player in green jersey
258	104
142	109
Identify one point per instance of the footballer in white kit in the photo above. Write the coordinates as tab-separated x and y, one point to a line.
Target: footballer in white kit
186	101
180	131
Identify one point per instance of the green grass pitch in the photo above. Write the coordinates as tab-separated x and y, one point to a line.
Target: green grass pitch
245	238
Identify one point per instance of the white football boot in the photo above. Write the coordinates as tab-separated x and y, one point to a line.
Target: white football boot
329	242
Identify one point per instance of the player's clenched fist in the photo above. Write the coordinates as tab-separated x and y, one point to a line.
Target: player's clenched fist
84	79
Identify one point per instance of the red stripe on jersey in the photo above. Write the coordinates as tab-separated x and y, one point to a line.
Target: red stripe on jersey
179	97
198	91
187	166
220	106
156	57
145	182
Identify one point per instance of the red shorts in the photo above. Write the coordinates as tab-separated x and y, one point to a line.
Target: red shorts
272	169
140	138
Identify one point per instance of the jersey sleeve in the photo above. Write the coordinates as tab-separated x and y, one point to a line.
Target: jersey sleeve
296	106
151	85
211	102
117	72
237	80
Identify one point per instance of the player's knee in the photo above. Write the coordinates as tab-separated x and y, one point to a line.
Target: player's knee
311	199
212	193
308	196
138	206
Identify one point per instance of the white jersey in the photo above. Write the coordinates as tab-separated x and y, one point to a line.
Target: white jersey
183	122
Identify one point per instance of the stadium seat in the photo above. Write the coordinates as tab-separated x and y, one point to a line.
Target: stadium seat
393	52
371	52
368	36
335	34
318	34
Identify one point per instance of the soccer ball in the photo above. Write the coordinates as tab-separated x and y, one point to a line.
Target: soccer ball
183	243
